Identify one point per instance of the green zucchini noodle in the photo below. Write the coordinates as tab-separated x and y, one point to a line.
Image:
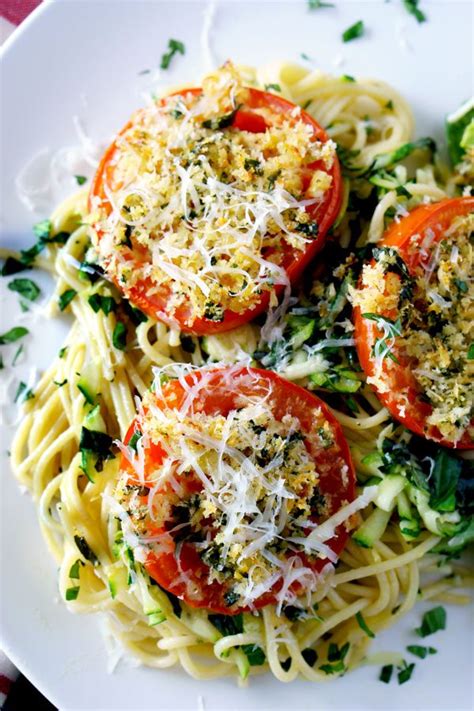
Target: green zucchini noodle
367	118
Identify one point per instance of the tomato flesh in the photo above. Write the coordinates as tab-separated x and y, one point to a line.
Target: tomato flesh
334	465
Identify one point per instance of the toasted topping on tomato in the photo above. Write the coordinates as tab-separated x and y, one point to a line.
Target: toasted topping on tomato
417	301
228	479
205	196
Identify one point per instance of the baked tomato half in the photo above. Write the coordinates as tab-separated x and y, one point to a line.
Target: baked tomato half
225	472
212	199
413	321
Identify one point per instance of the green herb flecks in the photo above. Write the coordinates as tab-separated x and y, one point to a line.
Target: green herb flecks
23	393
433	621
119	336
421	652
42	231
318	4
25	288
174	47
80	179
14	334
84	549
220	122
405	672
72	593
272	87
386	673
65	298
412	7
363	625
354	31
106	304
254	654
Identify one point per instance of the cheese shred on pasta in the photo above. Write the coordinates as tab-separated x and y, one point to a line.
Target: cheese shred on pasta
107	364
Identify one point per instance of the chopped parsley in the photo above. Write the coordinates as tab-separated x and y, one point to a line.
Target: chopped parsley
62	352
106	304
42	231
421	652
348	78
412	7
14	334
72	593
318	4
23	393
386	673
119	336
272	87
80	179
254	654
26	288
174	47
405	672
470	353
363	625
65	298
354	31
433	620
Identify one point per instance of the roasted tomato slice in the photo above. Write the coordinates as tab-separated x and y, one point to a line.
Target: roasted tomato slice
413	336
233	470
193	228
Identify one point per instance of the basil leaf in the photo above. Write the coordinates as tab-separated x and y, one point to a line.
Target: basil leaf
65	298
445	477
254	654
421	652
119	336
433	620
386	673
353	32
412	7
13	335
227	624
174	47
106	304
363	625
405	673
72	593
26	288
80	179
85	549
23	394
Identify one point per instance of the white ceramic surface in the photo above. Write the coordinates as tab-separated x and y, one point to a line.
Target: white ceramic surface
83	58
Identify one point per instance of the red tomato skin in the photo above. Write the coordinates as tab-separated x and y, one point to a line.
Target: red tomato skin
291	399
324	214
437	216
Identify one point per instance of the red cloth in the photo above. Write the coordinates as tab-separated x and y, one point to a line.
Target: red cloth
15	11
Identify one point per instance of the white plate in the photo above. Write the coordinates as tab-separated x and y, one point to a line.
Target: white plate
79	57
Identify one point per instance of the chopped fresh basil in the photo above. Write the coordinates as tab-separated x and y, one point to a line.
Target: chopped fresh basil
405	672
461	285
292	612
119	336
272	87
18	353
386	673
223	121
310	656
353	32
62	352
335	654
363	625
23	393
2	364
227	624
433	620
80	179
254	654
348	78
412	7
317	4
42	231
91	271
14	334
421	652
444	478
134	439
333	668
85	549
174	47
26	288
470	353
187	344
74	569
136	316
65	298
310	229
98	443
106	304
389	105
72	593
60	384
213	312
